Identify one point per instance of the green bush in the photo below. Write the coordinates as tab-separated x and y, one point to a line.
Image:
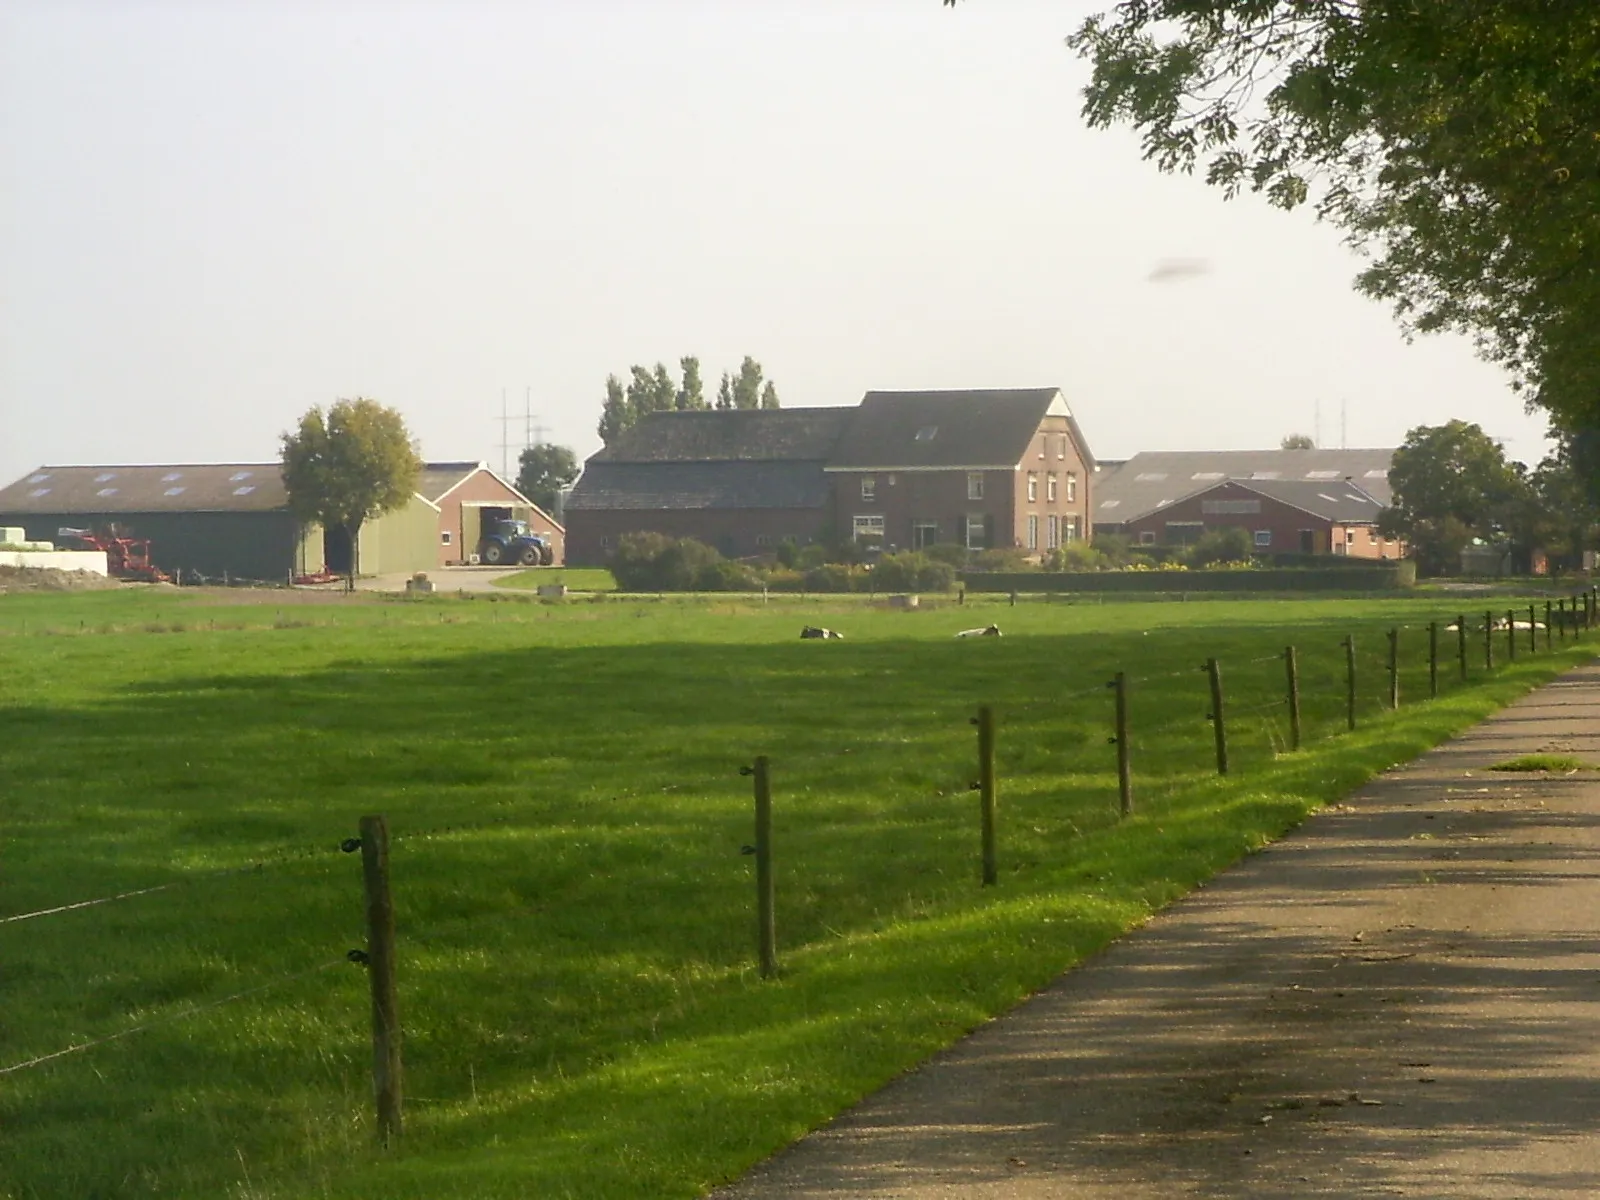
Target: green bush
1227	544
813	555
950	553
785	579
653	562
1076	556
1001	560
910	571
836	577
727	576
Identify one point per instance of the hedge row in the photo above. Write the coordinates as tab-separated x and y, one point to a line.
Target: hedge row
1310	579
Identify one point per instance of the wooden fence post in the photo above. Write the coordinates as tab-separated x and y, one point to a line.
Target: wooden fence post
1511	635
1488	641
381	973
1292	669
1561	618
1394	669
1433	660
1461	644
986	788
1124	772
1533	631
1219	727
765	908
1349	645
1548	632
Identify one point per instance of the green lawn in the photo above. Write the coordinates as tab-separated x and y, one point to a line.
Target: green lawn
583	1016
577	579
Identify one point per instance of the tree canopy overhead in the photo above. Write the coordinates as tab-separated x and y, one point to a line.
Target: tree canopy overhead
543	470
1455	142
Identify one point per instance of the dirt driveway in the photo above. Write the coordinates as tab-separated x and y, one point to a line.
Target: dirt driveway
1400	999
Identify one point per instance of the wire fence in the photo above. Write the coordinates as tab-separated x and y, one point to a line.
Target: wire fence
1161	732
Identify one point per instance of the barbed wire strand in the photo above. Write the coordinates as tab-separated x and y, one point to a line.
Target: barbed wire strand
172	1018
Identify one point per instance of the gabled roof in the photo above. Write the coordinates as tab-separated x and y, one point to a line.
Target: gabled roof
1155	479
209	487
437	478
740	435
949	430
699	485
1341	503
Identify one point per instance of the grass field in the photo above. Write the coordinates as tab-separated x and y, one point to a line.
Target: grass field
582	1011
577	579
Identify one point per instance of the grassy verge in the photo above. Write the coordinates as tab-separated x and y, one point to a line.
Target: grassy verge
577	579
582	1012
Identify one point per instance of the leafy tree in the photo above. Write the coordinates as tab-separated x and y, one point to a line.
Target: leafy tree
1224	544
614	417
691	396
1566	512
769	396
1452	483
747	384
543	471
343	467
725	393
1452	140
1297	441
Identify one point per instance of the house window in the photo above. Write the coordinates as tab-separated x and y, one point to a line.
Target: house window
444	537
1147	537
107	492
1072	487
1044	445
1033	531
974	485
238	475
174	491
867	528
924	534
869	488
1071	528
1050	487
1061	448
927	433
1263	537
1033	486
975	530
1052	531
763	539
605	543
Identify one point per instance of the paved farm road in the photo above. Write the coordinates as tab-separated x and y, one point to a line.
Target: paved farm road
1400	999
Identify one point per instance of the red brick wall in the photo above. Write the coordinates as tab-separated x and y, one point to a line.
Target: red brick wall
483	487
1284	522
736	533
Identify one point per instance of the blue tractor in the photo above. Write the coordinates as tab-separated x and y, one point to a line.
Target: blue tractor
507	541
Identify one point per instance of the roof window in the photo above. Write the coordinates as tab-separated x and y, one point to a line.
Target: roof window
1109	503
1151	477
927	433
245	490
238	475
1328	498
1380	474
37	492
1322	474
104	476
1266	475
106	492
39	478
174	491
171	475
1208	475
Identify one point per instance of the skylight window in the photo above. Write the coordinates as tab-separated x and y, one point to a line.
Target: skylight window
1151	477
104	476
170	476
1109	503
1266	475
927	433
245	490
1322	474
1377	474
37	492
1328	498
1208	475
238	475
174	491
106	492
39	478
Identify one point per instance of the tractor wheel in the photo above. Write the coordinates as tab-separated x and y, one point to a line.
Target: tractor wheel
493	553
529	556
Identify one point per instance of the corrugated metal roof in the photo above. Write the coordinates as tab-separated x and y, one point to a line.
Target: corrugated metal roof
1157	478
948	429
742	435
699	485
1339	502
178	487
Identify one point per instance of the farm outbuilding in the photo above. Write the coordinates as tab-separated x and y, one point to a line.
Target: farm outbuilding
232	520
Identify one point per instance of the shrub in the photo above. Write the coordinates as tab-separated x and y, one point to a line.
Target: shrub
813	555
1116	548
836	577
653	562
726	576
1012	559
787	553
785	579
910	571
1228	544
1076	556
949	553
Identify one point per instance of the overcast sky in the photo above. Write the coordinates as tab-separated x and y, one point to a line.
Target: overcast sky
215	215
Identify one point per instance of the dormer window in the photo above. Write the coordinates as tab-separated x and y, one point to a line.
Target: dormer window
927	433
869	488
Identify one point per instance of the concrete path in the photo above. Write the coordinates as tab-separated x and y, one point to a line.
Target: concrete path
447	580
1400	999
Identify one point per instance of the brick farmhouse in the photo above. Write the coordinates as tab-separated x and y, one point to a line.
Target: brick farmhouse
902	470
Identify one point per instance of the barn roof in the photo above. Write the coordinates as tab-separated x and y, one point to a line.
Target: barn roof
950	430
1157	478
1339	503
699	485
179	487
740	435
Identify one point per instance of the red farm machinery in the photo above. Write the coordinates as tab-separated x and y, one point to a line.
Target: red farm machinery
126	557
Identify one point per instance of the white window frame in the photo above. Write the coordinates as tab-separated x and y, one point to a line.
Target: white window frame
1052	532
917	526
1147	537
975	522
445	537
1033	531
866	525
1263	537
1050	488
1033	487
974	485
1072	487
1071	529
869	488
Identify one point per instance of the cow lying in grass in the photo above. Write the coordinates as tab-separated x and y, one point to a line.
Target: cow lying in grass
812	631
986	631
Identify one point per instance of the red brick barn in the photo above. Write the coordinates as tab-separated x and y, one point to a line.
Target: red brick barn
1295	516
468	494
